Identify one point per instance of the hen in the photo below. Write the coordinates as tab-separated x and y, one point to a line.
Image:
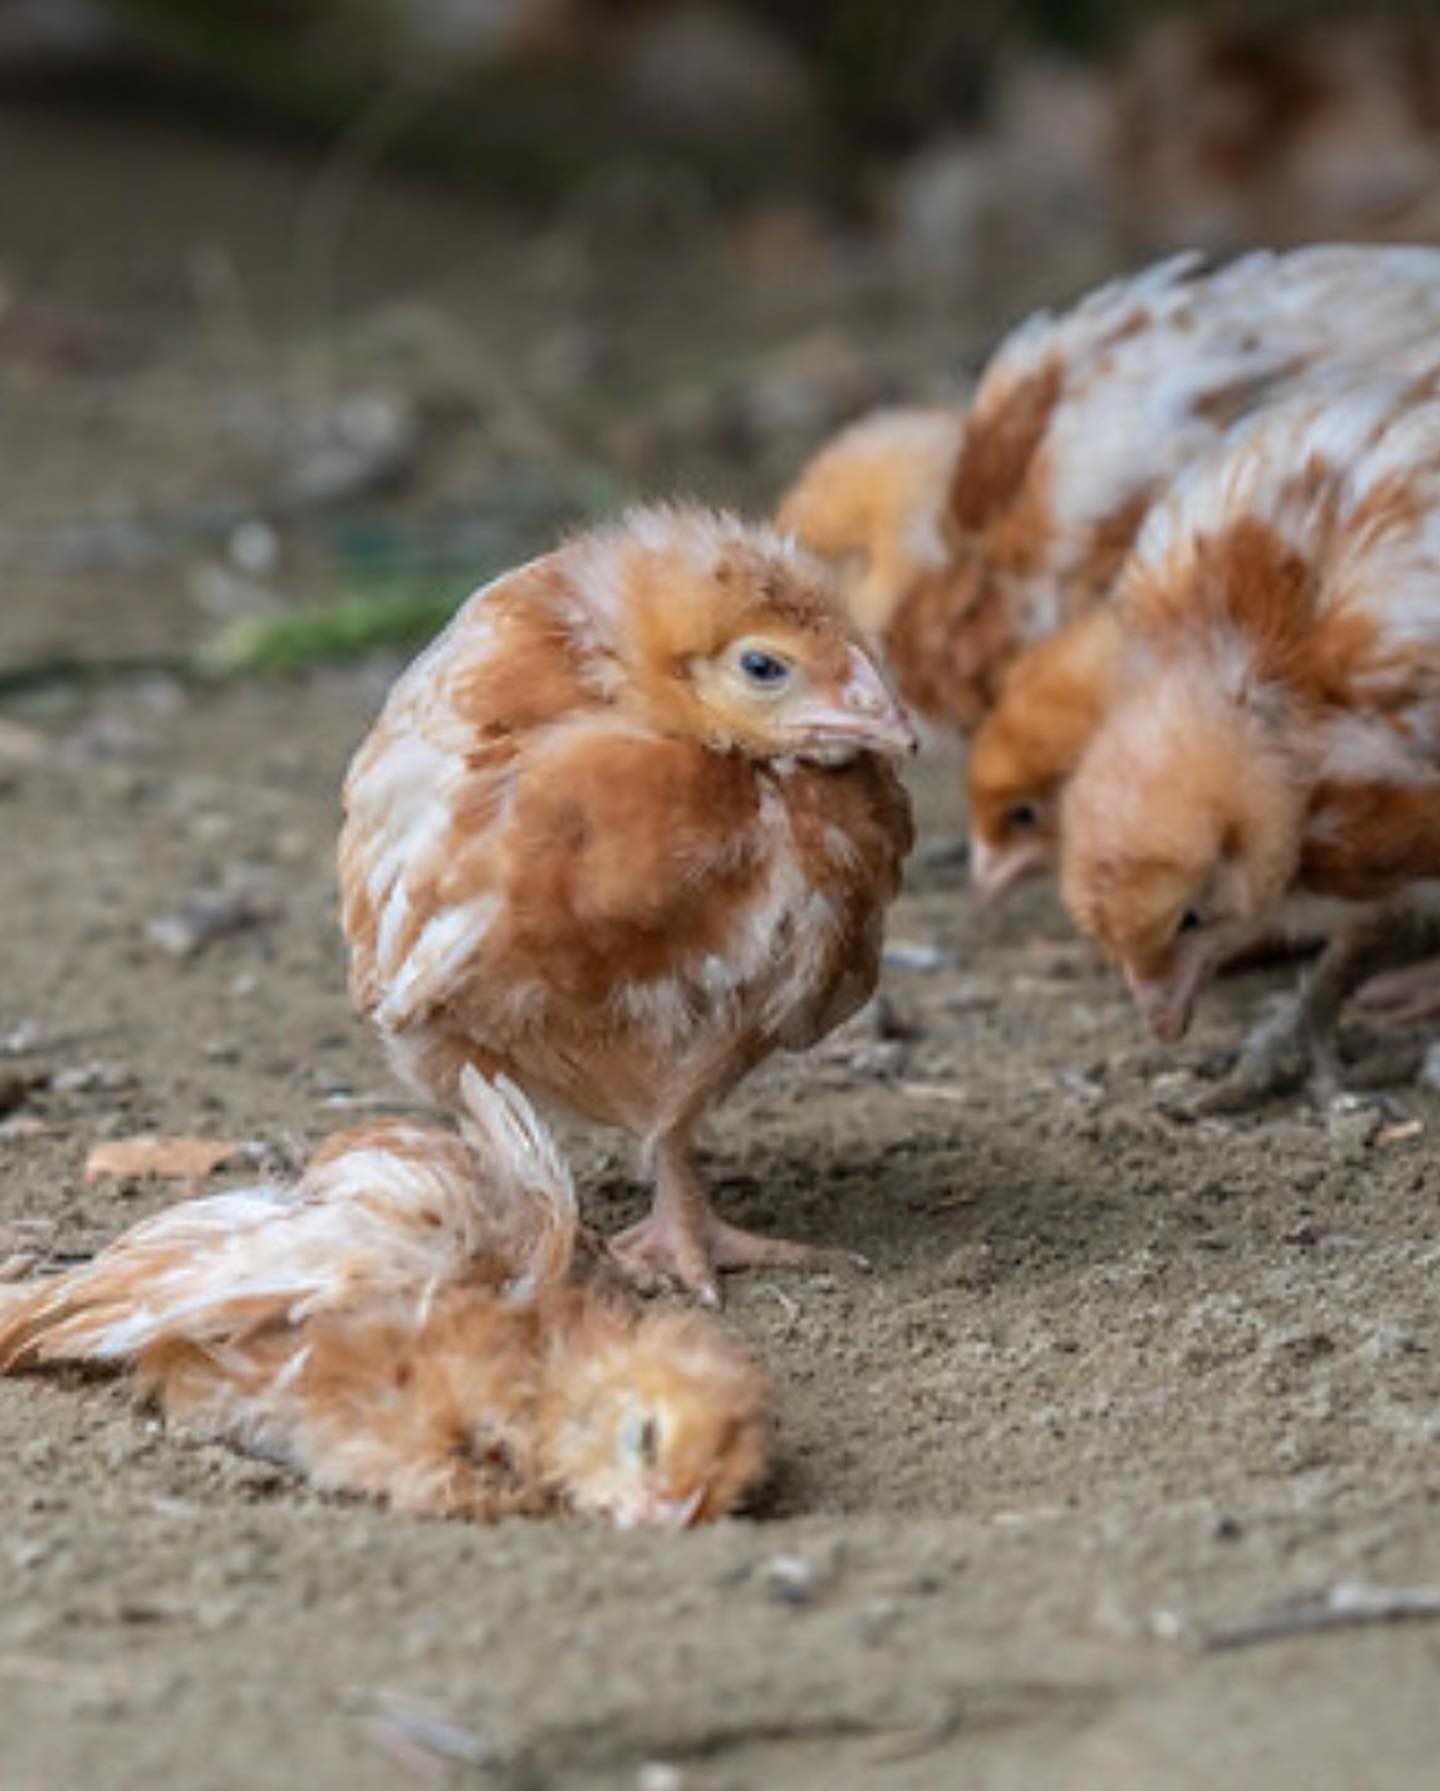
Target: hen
405	1325
1078	421
623	830
1271	758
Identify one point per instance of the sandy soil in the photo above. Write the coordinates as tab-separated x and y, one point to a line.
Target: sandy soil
1118	1383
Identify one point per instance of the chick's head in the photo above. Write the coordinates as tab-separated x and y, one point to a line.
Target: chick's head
731	635
1028	746
869	504
658	1419
1180	837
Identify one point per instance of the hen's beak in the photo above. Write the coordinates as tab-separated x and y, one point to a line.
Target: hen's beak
995	870
1165	1003
862	716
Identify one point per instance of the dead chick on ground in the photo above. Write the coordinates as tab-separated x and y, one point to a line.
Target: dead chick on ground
1271	758
628	826
406	1324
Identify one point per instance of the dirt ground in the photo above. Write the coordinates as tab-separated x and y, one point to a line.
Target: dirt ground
1119	1383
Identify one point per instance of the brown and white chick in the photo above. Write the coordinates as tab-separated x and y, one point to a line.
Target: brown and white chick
869	504
1080	421
625	828
405	1324
1271	758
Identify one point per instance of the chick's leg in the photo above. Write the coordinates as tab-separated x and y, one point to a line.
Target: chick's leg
685	1242
1299	1043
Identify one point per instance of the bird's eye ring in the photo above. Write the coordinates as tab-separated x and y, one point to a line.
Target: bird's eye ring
641	1437
1022	814
1190	921
763	668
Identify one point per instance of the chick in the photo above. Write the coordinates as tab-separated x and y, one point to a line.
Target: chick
1271	758
1052	701
624	829
870	503
405	1324
1078	422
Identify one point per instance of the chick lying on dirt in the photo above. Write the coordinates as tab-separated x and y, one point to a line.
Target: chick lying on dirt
407	1324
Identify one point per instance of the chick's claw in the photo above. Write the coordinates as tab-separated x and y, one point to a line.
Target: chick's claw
1284	1053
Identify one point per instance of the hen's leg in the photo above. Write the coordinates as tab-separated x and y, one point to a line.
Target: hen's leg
1298	1043
684	1241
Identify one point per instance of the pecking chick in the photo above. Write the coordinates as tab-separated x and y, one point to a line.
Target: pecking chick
1271	757
405	1325
624	829
1078	422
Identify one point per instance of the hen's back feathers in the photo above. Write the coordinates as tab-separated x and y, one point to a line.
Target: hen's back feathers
1080	419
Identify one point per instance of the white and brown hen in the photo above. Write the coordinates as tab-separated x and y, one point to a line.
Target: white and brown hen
1271	757
626	828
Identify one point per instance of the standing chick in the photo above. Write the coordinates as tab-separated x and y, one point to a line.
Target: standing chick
623	830
405	1325
1271	758
1078	422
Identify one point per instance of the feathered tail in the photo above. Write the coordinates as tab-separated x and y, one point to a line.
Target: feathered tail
388	1212
533	1203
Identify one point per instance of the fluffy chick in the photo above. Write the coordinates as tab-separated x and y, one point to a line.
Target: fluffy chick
405	1324
870	503
1271	759
625	828
1052	701
1080	420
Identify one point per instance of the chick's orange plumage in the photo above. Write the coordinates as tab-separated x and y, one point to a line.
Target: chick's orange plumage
870	502
1271	757
1050	704
623	830
1078	421
406	1324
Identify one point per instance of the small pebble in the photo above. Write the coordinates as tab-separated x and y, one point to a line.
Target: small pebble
187	931
911	954
1351	1125
797	1580
659	1775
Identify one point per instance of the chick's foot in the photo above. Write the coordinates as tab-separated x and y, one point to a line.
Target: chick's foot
1285	1052
1298	1045
690	1250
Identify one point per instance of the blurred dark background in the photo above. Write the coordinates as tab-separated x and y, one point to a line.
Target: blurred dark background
307	298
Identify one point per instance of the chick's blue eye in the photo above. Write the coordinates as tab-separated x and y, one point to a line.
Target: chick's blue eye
763	668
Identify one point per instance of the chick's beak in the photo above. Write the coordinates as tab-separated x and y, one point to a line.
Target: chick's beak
1165	1003
664	1514
995	870
861	716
